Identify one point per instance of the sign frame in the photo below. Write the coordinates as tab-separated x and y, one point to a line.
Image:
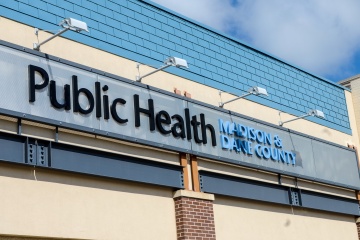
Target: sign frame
136	140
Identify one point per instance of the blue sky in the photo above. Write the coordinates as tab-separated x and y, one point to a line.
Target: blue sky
319	36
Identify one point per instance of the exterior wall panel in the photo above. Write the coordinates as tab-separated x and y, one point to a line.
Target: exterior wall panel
244	219
40	203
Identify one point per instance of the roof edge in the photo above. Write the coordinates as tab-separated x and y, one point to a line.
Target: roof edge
349	79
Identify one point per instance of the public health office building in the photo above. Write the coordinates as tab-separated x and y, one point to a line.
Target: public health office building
93	146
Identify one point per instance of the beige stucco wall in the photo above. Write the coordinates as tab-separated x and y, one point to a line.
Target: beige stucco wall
242	219
24	35
37	202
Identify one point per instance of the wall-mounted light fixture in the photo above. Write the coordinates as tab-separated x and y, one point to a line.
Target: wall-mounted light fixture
66	24
171	61
253	90
313	112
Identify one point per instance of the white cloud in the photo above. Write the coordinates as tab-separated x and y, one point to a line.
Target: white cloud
210	12
321	36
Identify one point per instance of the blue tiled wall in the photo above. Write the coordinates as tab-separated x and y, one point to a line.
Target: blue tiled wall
143	31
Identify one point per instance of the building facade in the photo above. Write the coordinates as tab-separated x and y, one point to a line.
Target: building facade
353	84
89	152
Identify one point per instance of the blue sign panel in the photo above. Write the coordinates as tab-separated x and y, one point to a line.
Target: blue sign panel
247	140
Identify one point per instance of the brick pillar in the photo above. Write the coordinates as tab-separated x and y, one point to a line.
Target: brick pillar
358	226
194	215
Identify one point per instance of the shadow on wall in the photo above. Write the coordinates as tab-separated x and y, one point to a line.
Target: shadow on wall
81	180
25	238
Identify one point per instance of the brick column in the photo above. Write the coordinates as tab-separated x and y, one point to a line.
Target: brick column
358	227
194	215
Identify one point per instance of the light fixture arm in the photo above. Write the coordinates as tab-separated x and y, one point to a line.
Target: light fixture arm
242	96
171	61
138	78
254	90
313	112
303	116
67	24
36	46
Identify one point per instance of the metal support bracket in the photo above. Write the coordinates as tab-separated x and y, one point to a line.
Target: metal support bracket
37	155
279	179
31	154
57	134
295	196
19	126
42	156
201	183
